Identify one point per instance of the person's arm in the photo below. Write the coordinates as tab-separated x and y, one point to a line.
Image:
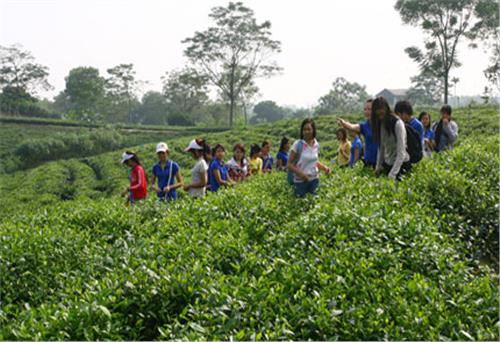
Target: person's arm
451	129
349	126
400	149
178	184
279	164
140	173
218	178
294	168
345	150
356	155
152	187
323	167
380	156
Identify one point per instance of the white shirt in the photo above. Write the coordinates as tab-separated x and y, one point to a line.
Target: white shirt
392	149
197	172
233	165
308	159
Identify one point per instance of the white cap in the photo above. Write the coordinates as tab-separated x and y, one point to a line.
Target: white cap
193	145
126	156
161	147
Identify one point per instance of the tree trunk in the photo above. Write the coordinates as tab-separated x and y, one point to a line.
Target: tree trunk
245	113
446	75
231	111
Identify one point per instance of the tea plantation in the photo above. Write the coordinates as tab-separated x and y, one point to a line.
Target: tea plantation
362	261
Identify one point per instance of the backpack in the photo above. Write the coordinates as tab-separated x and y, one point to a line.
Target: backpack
289	173
413	144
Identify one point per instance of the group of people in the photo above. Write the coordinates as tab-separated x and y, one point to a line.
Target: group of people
393	141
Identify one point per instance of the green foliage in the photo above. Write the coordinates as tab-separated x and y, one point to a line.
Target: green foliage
362	261
344	97
85	93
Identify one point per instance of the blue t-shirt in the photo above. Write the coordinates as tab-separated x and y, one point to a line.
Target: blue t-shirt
429	134
417	125
356	145
267	163
283	156
371	147
163	178
216	165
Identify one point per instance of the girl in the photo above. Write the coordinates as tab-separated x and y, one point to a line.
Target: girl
138	185
366	130
344	150
356	150
238	165
282	157
267	158
255	163
167	172
425	119
390	133
198	149
303	161
217	172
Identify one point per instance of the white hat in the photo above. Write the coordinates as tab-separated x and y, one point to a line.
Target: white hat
161	147
193	145
126	156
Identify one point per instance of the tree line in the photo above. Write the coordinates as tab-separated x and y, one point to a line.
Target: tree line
229	57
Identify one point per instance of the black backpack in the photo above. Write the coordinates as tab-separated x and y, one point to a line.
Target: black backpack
413	144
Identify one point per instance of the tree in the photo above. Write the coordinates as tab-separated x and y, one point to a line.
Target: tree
186	93
427	89
19	70
153	108
444	22
267	111
121	88
233	52
85	93
345	97
247	96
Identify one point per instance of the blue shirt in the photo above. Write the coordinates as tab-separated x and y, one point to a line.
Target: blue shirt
283	156
216	165
415	123
356	145
371	147
163	178
267	163
429	134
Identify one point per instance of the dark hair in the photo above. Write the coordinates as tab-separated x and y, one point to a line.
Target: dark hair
265	143
254	149
421	116
283	142
403	107
205	148
369	101
446	109
239	147
343	132
389	120
304	123
216	147
134	158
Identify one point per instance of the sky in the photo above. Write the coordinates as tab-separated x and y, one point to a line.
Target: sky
360	40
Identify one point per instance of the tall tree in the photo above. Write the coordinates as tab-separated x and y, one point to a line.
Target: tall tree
344	97
121	90
427	89
85	93
234	51
19	70
185	92
153	108
267	111
444	22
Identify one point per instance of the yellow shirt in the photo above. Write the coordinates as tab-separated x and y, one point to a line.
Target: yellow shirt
255	166
344	153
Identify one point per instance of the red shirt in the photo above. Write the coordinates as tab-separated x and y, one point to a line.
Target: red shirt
138	184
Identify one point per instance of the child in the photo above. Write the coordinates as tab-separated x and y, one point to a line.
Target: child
255	163
344	150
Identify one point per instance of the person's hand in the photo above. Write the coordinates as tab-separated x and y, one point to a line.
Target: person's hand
166	189
187	187
328	171
340	122
303	176
445	121
124	192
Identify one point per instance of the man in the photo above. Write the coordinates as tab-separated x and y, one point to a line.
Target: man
404	110
445	131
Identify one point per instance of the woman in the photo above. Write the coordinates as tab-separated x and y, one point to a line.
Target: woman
344	149
366	130
217	172
238	165
138	186
255	163
267	158
445	131
167	172
389	132
425	119
304	162
198	149
282	157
